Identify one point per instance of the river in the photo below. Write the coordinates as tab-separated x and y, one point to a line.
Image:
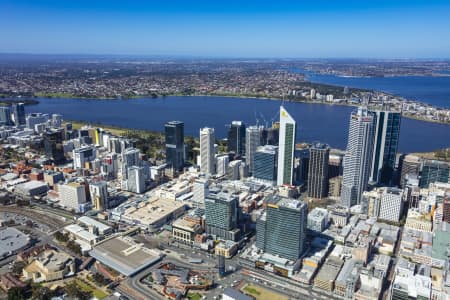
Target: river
434	90
316	122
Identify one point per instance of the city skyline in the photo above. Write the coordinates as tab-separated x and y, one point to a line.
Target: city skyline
381	29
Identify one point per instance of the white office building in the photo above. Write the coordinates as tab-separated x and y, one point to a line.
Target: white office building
252	142
391	204
200	191
136	180
358	157
99	195
83	155
36	118
222	162
207	159
128	158
286	148
72	196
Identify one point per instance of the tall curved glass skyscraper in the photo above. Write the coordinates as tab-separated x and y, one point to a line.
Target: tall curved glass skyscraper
358	157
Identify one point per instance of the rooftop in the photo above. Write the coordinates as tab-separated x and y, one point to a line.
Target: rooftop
91	222
12	240
124	255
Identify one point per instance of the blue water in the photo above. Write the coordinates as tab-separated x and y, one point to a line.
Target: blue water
316	122
429	89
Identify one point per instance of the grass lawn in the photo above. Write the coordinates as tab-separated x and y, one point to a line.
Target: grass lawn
261	293
194	296
99	294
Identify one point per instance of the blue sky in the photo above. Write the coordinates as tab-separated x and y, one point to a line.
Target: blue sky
296	28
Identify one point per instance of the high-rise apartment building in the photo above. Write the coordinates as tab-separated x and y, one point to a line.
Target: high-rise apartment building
128	158
386	135
318	171
35	118
207	139
358	157
174	133
236	138
286	148
82	155
222	164
99	195
136	180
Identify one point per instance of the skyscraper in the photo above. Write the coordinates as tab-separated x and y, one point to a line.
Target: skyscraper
99	195
391	204
410	164
386	134
222	162
283	228
5	115
265	164
358	157
335	165
207	139
18	110
136	180
175	144
252	142
318	171
53	145
286	148
222	215
270	136
434	171
236	138
128	158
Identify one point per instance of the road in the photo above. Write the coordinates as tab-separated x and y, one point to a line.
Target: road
391	270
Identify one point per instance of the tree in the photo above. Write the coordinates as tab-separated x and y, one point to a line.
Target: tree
39	292
100	279
74	292
16	293
74	247
18	267
60	237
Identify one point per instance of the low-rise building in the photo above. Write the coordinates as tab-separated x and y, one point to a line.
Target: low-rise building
226	249
317	219
49	265
326	277
184	231
12	241
31	189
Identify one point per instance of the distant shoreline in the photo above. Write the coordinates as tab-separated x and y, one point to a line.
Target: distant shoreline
239	97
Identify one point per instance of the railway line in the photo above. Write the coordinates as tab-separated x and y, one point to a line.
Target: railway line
38	216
